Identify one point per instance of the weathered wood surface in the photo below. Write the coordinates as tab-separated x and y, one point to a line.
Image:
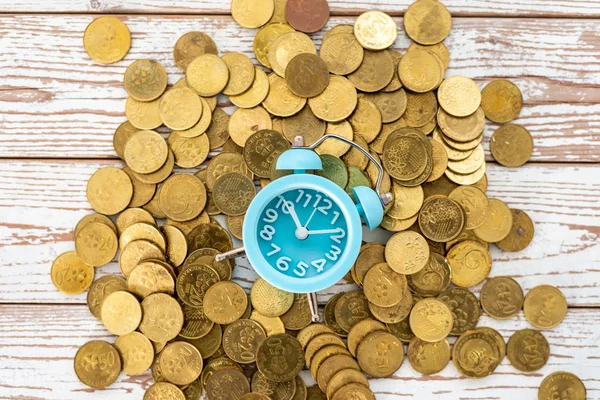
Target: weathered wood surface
41	201
38	343
55	102
498	8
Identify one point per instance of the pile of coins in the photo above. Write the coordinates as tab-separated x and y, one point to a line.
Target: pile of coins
176	310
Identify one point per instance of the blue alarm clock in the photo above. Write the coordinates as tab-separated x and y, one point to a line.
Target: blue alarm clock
302	233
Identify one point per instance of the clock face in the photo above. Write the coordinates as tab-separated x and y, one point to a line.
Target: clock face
302	233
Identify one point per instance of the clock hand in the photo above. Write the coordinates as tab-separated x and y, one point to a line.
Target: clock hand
323	231
309	218
290	207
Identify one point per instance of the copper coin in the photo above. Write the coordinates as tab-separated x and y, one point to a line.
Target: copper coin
307	15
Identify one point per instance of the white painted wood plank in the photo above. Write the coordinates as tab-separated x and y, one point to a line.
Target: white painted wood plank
56	102
38	343
561	8
41	202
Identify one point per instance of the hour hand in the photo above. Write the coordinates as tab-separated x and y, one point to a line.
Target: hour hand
324	231
290	207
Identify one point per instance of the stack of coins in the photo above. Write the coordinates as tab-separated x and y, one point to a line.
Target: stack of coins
176	311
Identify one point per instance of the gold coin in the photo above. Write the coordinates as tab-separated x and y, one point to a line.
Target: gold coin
193	282
225	302
265	37
301	391
182	197
159	176
252	14
407	201
314	393
366	120
461	129
96	244
476	342
207	256
281	101
494	334
97	364
362	330
100	289
196	324
329	315
397	225
261	386
528	350
439	157
498	223
401	330
137	251
262	148
420	70
145	231
121	313
453	154
466	179
70	274
395	313
256	94
392	105
244	122
560	384
233	193
269	300
107	40
375	30
180	363
122	134
189	152
279	13
407	252
441	219
163	390
210	343
143	114
459	95
224	163
176	244
438	49
304	124
146	152
191	45
511	145
501	101
427	22
465	309
470	263
324	353
431	320
337	102
308	333
521	232
136	351
142	192
287	46
343	378
215	365
383	286
428	358
271	325
342	53
150	277
279	357
481	184
324	344
227	383
351	308
545	306
299	315
162	317
209	236
145	80
207	74
188	226
331	366
474	203
335	147
241	73
218	129
352	390
133	216
374	73
181	108
370	255
241	339
356	158
307	75
109	190
404	157
433	278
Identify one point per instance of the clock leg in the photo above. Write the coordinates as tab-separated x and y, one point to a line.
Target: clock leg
313	304
240	251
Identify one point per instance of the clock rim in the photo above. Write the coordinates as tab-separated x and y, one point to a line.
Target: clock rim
348	256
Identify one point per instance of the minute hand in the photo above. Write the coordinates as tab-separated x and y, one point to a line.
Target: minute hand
290	207
323	231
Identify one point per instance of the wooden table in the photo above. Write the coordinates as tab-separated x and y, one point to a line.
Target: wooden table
59	109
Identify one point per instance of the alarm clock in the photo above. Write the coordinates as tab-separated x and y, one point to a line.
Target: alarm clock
302	233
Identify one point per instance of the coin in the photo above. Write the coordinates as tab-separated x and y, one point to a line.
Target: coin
241	339
273	390
441	219
404	157
256	94
189	152
427	22
241	73
474	203
361	330
207	256
433	278
182	197
304	124
501	101
498	223
465	309
150	277
265	37
366	120
180	363
375	30
233	193
353	390
331	366
215	365
299	315
210	343
342	53
308	333
562	384
121	313
146	152
307	74
370	254
136	351
202	125
100	289
143	231
482	345
143	114
374	73
137	251
252	14
337	102
97	364
351	308
191	45
245	122
459	95
96	244
261	149
306	16
392	105
193	282
355	157
383	286
343	378
209	236
407	201
461	129
164	390
176	244
420	70
329	315
196	324
401	330
109	190
470	263
70	274
162	317
428	358
431	320
528	350
122	134
407	252
501	297
107	40
142	192
314	393
224	302
545	306
511	145
279	357
159	176
287	46
145	80
269	300
521	232
466	179
281	101
180	108
207	74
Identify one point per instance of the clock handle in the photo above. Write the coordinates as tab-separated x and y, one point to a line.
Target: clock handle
238	252
386	198
313	305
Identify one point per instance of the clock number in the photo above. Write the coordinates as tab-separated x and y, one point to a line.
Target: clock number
271	216
267	232
284	204
319	264
333	253
300	195
300	269
323	209
283	263
319	197
340	235
336	215
308	198
275	250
